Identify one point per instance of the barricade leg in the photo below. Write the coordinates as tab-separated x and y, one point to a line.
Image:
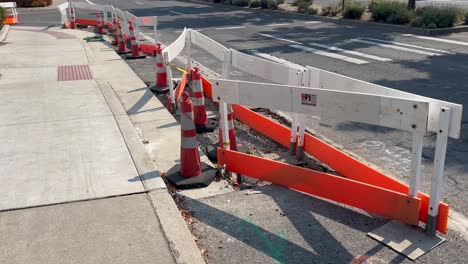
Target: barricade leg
438	171
72	18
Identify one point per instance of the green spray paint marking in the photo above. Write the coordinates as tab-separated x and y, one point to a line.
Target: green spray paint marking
276	252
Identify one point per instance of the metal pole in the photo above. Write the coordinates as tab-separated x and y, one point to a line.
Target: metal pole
188	42
169	77
223	106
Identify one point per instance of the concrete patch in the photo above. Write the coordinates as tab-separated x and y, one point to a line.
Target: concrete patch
64	161
116	230
23	75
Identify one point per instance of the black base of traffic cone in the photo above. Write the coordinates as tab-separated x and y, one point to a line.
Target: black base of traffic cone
209	127
131	57
207	176
212	151
123	52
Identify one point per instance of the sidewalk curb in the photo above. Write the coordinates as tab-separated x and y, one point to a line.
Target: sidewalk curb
179	238
4	32
346	22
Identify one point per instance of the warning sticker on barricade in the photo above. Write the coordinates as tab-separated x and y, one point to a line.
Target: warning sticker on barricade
309	99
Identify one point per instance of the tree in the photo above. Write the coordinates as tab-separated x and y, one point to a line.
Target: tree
411	4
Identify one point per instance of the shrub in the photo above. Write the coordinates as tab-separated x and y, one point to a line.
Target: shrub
390	12
331	10
311	11
353	10
2	16
30	3
303	5
227	2
466	17
434	17
216	1
271	4
240	2
254	3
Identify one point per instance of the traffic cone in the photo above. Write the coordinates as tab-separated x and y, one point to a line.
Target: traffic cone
72	18
134	45
232	131
115	31
162	83
198	99
190	172
100	26
122	46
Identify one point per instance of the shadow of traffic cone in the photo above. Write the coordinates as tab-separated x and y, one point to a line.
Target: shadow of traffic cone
162	83
190	172
122	43
134	45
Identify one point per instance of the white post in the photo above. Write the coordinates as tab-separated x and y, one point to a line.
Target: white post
292	139
169	77
300	139
415	172
438	171
155	30
137	31
188	42
223	106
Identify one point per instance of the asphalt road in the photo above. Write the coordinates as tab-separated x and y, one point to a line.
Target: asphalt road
435	67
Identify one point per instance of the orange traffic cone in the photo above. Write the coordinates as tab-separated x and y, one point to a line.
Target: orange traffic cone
122	42
190	173
134	45
162	83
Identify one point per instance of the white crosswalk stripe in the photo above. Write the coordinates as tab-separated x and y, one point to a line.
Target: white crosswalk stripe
409	45
451	41
329	54
351	52
396	47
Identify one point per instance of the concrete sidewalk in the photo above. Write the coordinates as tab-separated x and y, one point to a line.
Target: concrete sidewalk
71	162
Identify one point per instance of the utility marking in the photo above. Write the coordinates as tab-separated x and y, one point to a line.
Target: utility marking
329	54
139	3
277	25
287	40
356	53
312	22
89	2
409	45
224	28
269	57
180	31
396	47
174	12
438	39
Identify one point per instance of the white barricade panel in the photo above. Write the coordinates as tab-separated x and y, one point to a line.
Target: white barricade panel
176	47
268	70
8	5
120	14
398	113
63	12
334	81
208	44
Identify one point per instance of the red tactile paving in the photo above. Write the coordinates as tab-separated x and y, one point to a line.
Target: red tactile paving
74	73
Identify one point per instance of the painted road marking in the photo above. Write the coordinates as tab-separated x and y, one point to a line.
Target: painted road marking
356	53
298	45
180	31
409	45
174	12
396	47
287	40
90	2
329	54
451	41
312	22
277	25
139	3
224	28
269	57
